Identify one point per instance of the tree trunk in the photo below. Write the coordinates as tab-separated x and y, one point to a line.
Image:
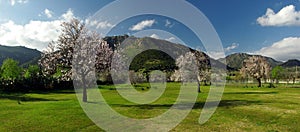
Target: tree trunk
147	77
84	95
84	92
205	83
259	82
199	90
294	80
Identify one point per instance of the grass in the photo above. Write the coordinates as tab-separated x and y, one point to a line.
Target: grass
241	109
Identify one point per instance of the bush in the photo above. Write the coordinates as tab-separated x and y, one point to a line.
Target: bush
34	84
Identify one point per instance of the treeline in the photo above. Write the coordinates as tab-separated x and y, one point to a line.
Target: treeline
79	53
259	69
14	78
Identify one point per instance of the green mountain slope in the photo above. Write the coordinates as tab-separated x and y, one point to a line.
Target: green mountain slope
22	54
135	45
291	63
236	60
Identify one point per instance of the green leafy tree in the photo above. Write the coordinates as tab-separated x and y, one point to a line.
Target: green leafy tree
150	60
277	73
10	69
32	71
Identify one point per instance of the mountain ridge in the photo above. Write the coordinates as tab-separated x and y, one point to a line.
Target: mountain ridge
24	55
291	63
234	61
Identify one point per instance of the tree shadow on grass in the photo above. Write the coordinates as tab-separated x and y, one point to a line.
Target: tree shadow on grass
197	105
254	92
18	97
71	91
112	88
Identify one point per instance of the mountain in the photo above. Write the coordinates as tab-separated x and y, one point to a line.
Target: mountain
24	55
291	63
134	46
236	60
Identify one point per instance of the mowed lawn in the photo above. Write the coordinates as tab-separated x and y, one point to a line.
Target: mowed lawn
241	109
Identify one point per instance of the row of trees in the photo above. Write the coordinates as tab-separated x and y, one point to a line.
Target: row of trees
79	52
258	68
84	51
15	78
286	74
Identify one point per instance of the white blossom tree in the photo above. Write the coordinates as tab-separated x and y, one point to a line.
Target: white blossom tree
192	66
80	49
256	67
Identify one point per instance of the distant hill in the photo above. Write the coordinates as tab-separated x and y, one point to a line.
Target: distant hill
28	56
291	63
24	55
236	60
136	45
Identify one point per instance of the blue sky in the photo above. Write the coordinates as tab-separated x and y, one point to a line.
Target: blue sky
270	28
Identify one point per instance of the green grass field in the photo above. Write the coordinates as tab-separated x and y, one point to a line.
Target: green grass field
241	109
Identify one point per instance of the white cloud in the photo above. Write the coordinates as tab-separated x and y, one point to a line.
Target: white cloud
283	50
231	47
141	25
35	34
13	2
155	36
171	39
215	54
104	25
48	13
287	16
99	25
68	15
91	23
22	1
168	24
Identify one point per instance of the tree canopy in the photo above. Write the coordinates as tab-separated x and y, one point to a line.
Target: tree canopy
10	69
256	67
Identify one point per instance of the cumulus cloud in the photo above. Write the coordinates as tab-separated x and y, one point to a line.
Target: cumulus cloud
231	47
215	54
287	16
168	24
68	15
142	25
155	36
171	39
22	1
99	25
13	2
283	50
35	34
48	13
